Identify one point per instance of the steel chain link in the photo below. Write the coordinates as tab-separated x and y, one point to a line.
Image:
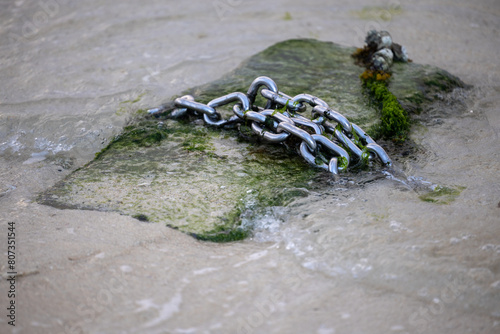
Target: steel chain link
333	147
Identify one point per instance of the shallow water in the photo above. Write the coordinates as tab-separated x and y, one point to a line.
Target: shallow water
370	257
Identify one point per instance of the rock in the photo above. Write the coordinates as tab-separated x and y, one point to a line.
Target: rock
400	53
382	59
380	51
378	40
205	182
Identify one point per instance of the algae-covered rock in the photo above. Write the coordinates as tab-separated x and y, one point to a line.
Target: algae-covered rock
202	180
194	178
323	69
328	71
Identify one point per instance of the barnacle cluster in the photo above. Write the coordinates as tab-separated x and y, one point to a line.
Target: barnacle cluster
380	52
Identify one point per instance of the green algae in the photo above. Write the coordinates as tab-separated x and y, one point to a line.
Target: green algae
125	106
203	181
197	141
394	121
442	195
222	234
143	134
379	13
416	86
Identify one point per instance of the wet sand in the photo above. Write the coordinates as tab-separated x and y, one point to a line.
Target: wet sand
372	259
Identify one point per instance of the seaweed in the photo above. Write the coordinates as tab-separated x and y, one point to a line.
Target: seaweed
442	195
394	120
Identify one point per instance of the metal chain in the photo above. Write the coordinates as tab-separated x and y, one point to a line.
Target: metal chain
333	147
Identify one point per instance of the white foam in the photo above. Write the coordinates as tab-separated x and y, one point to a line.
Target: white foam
36	157
125	268
166	311
205	271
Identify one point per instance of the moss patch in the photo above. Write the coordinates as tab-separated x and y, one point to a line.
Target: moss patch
442	195
142	134
416	86
125	106
223	234
394	121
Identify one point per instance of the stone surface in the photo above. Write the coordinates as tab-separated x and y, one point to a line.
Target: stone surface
203	181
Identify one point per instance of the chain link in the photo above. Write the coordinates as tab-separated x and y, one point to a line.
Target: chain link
322	144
